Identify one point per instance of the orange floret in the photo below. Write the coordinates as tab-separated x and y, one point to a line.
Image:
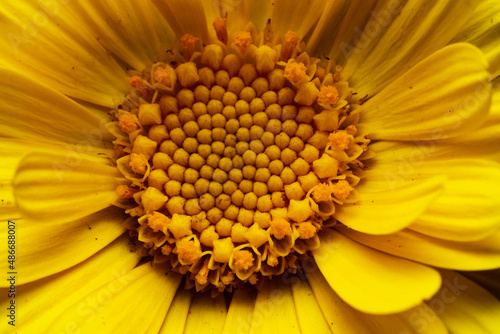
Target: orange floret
136	81
328	95
162	75
306	230
202	276
127	123
243	39
187	43
138	163
188	252
295	71
342	189
280	228
158	222
351	130
291	40
167	249
243	259
339	140
124	191
322	192
220	29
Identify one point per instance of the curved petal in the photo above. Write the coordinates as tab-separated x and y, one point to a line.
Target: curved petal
483	30
206	314
135	36
372	281
389	210
32	111
177	313
274	310
44	42
382	55
240	313
61	245
63	186
106	268
107	308
194	23
476	255
465	307
481	143
343	319
468	209
446	95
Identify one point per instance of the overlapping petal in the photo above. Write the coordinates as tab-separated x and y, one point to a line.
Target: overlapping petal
438	98
106	269
64	186
371	281
399	36
45	43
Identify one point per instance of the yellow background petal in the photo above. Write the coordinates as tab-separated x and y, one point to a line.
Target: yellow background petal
177	313
60	245
476	255
382	55
144	292
240	313
38	307
465	307
63	187
274	310
46	43
206	314
445	95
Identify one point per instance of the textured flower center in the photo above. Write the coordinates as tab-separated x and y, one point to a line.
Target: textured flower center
235	158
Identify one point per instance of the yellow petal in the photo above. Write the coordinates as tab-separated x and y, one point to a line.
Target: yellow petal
340	21
343	319
309	315
195	23
274	310
146	292
483	30
240	314
386	48
297	16
177	313
437	99
476	255
63	186
468	207
389	210
39	308
483	142
464	306
46	43
372	281
206	315
61	245
32	111
136	37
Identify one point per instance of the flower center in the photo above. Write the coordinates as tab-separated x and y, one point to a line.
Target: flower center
235	159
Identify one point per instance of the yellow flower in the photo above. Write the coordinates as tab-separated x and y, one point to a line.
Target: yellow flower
149	148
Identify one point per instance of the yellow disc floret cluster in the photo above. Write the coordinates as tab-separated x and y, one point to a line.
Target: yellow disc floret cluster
235	156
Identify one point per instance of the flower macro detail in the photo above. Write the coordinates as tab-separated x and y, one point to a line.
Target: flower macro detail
244	166
243	156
